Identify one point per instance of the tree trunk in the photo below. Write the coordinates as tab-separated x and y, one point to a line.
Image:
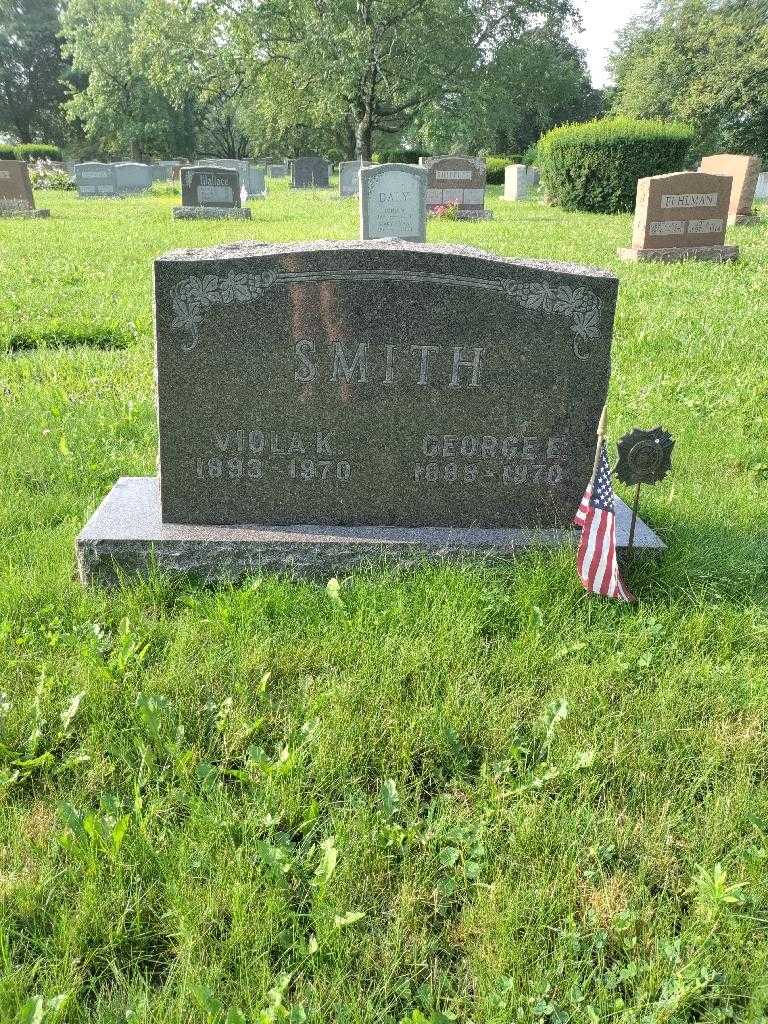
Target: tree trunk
363	135
135	151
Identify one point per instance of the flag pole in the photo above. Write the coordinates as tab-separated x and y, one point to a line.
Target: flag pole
602	429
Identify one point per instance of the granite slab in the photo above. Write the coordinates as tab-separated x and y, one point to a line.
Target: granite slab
211	213
714	253
126	536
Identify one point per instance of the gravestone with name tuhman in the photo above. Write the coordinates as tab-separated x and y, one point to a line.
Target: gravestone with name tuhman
393	202
681	216
94	180
309	172
745	171
322	404
459	181
210	193
348	176
16	198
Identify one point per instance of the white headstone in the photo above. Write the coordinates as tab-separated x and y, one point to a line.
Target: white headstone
393	202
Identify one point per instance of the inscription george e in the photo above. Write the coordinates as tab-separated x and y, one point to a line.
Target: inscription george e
377	383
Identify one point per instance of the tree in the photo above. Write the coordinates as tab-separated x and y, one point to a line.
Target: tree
32	70
341	69
532	84
117	104
700	61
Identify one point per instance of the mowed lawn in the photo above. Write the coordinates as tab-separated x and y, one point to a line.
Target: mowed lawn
466	793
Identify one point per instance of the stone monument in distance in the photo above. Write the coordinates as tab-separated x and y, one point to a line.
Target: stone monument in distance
745	171
210	193
393	202
681	216
16	197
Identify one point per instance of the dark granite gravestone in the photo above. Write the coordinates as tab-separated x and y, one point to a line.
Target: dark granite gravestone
309	172
324	403
16	198
458	181
278	170
94	180
210	192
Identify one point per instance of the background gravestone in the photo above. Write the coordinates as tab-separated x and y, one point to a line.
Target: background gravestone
516	182
744	170
393	202
348	176
94	179
209	192
459	180
309	172
16	198
132	178
681	216
761	191
278	170
255	181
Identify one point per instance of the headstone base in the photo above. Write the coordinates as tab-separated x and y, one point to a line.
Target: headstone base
716	253
125	537
744	218
210	213
474	215
29	214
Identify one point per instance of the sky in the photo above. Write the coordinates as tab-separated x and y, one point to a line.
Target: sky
602	19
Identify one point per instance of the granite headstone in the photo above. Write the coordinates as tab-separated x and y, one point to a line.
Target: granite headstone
337	402
94	179
516	182
393	202
761	191
681	216
348	176
209	192
16	198
255	181
309	172
278	170
132	178
744	170
459	181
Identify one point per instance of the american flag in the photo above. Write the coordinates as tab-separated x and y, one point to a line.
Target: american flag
596	559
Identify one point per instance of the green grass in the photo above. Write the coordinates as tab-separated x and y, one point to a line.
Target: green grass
546	807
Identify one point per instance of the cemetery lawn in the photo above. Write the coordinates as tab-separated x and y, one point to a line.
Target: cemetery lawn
468	793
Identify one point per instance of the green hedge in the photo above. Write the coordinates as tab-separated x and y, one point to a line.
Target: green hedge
399	156
37	151
494	167
595	166
7	152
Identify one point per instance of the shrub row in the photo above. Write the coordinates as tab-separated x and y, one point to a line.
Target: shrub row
30	151
595	166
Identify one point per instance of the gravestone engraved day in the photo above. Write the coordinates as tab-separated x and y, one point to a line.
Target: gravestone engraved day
210	193
16	197
325	403
681	216
393	202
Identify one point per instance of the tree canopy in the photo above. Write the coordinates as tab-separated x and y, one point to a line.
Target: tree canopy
701	61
